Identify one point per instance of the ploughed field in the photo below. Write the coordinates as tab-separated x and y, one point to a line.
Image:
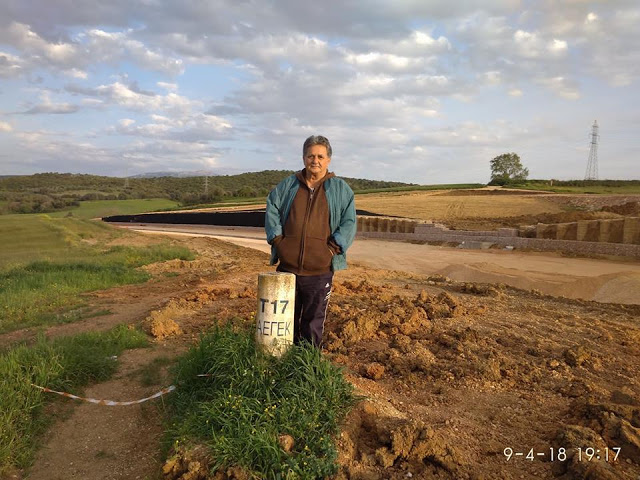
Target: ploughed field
488	209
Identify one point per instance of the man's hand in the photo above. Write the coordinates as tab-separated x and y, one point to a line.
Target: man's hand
335	248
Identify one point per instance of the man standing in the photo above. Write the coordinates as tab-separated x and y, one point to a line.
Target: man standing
310	223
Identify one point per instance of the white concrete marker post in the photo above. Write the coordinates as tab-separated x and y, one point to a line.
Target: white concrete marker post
274	315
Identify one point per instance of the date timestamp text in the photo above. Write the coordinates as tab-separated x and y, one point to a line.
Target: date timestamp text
561	454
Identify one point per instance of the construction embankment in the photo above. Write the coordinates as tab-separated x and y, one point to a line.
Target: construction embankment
617	237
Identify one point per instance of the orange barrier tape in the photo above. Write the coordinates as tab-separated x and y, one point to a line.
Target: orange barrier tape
110	403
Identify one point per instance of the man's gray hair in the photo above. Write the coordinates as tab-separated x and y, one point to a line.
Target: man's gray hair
316	140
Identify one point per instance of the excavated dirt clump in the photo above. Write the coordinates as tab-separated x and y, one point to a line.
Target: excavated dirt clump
218	303
574	437
372	442
195	464
161	323
404	336
617	421
374	314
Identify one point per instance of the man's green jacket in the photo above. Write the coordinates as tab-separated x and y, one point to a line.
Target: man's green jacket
342	215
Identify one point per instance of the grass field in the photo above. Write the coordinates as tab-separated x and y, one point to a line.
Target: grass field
105	208
223	204
63	364
591	189
46	262
26	238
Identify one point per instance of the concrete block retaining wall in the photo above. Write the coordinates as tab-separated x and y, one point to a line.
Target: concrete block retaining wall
385	224
623	230
601	237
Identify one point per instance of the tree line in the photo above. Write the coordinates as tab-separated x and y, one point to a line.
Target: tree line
48	192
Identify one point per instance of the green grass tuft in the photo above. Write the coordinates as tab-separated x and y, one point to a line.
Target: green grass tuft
63	364
252	398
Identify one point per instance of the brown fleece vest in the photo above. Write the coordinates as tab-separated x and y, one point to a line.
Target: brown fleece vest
304	248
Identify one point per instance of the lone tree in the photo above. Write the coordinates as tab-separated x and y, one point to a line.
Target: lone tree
506	168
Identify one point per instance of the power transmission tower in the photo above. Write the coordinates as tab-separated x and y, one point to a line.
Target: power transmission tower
592	164
206	185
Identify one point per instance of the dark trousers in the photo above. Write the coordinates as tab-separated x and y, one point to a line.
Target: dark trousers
312	300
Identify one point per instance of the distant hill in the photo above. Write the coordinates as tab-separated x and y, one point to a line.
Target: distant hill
198	173
159	185
45	192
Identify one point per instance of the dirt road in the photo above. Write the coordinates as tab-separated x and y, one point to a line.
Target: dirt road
607	281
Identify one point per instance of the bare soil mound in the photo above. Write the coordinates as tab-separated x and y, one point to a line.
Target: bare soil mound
452	375
457	372
628	209
479	223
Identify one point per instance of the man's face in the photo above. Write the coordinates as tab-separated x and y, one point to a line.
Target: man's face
316	160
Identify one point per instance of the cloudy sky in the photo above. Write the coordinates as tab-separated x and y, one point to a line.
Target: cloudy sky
424	91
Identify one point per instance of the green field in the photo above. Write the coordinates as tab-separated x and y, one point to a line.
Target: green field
47	262
105	208
596	187
591	189
26	238
236	202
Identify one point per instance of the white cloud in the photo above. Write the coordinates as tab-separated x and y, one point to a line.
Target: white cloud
10	65
46	106
410	84
58	153
93	46
385	60
168	86
198	128
92	102
75	73
528	44
5	127
133	98
116	46
417	44
557	47
23	38
493	77
562	86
